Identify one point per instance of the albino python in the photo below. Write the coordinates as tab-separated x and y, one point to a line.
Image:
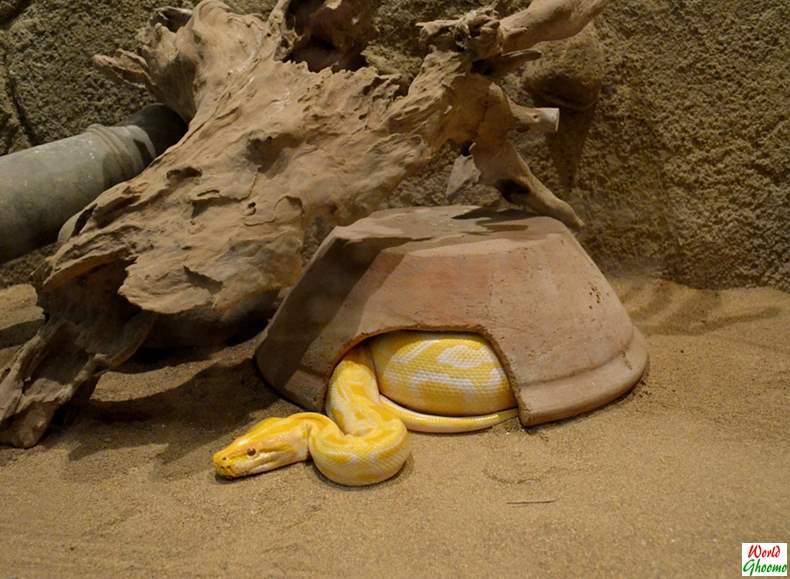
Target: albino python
421	381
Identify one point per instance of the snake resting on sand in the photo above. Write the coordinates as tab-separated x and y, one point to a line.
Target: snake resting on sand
421	381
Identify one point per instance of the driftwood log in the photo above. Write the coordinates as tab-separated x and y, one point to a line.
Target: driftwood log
289	130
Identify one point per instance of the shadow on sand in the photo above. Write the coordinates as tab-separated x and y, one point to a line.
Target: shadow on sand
666	309
207	409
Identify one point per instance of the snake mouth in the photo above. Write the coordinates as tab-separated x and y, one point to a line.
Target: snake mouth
227	467
223	469
223	465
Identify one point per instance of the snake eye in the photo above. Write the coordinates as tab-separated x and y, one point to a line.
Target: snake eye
251	452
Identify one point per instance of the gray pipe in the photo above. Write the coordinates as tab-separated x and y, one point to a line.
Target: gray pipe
42	187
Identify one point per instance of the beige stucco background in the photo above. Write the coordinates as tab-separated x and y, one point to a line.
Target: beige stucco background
679	169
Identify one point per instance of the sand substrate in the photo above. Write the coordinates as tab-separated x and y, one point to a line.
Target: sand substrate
667	481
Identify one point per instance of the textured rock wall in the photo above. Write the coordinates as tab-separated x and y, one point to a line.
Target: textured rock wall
680	168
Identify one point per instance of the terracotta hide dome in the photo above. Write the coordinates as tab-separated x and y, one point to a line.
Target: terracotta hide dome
523	283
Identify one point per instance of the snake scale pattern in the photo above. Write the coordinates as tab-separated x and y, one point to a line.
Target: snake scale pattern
390	384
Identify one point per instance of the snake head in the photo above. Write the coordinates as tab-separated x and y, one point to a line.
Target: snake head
269	445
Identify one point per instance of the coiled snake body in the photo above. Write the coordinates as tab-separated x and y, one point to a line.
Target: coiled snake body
421	381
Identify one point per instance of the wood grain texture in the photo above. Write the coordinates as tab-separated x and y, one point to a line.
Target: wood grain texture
287	128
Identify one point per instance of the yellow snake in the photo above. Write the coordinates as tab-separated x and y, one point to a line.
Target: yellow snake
421	381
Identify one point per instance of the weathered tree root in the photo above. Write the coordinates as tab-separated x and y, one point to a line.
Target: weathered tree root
287	129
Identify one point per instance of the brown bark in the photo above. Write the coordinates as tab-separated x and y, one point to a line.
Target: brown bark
287	129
